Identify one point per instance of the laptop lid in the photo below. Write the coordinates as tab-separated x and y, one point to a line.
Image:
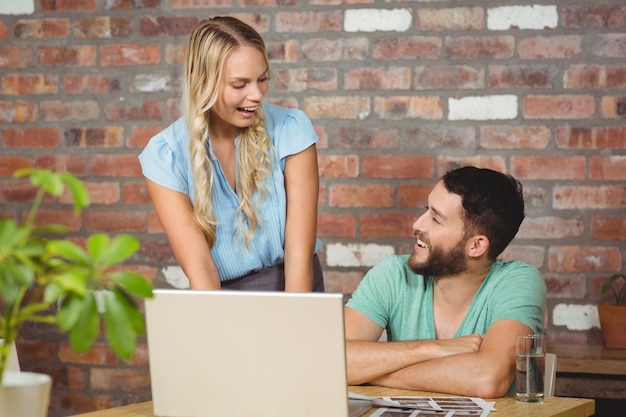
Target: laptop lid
239	353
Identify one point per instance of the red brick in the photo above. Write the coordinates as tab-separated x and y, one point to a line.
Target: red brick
354	137
395	78
338	166
449	78
107	137
531	254
30	84
9	164
54	111
608	45
514	137
57	56
609	168
112	379
584	76
140	136
102	27
548	167
17	112
344	282
324	79
287	51
103	192
153	250
295	22
550	227
175	54
167	26
589	197
133	4
416	47
460	18
413	196
516	76
16	57
135	193
608	228
386	225
491	47
31	137
593	16
616	76
584	259
154	225
361	196
68	5
98	354
41	29
3	31
558	107
199	4
436	137
129	54
566	287
613	107
75	164
116	221
36	350
15	191
354	108
335	49
149	110
397	166
91	83
66	218
611	137
115	165
425	107
83	403
336	225
552	47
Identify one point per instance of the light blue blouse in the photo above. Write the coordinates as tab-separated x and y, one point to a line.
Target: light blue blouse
165	161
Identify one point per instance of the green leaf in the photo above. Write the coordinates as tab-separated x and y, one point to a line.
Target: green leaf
13	278
118	328
85	331
80	196
133	283
49	181
52	292
68	250
74	280
135	316
121	248
97	246
69	311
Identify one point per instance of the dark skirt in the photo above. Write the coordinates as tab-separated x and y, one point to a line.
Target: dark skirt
272	279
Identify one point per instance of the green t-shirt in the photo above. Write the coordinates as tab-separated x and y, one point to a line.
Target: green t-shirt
401	301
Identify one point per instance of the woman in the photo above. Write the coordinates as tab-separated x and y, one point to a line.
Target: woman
235	182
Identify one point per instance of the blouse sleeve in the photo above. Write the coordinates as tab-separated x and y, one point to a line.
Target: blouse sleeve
162	161
292	133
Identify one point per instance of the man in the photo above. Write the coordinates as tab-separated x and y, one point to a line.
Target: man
451	309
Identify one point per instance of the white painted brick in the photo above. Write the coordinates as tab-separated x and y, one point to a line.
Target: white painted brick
175	276
338	254
522	17
17	7
576	316
483	108
371	20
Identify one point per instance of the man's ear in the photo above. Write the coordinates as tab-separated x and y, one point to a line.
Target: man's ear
478	246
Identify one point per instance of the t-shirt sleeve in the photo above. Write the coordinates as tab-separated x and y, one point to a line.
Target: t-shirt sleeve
522	297
293	134
161	164
374	294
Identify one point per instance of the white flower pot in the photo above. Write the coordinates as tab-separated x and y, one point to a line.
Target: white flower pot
25	394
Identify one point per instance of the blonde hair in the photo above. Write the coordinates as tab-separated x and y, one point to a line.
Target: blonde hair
211	43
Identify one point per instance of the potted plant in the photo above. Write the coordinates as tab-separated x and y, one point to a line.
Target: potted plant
613	316
46	278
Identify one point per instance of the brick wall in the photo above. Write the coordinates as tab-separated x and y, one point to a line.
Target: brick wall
398	92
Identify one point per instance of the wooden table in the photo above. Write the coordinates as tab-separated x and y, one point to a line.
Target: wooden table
507	406
590	371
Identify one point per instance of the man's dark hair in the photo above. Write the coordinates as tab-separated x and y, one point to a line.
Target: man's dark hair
493	204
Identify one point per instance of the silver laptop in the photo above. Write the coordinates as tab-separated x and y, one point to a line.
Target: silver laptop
239	353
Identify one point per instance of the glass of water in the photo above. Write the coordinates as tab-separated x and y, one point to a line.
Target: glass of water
530	367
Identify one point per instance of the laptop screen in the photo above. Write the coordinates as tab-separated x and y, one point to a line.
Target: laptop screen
220	353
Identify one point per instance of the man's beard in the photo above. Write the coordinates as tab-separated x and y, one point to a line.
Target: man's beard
441	263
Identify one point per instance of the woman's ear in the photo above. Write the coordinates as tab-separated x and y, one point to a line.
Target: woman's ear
478	246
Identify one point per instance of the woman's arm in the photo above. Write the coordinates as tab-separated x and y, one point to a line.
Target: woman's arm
302	189
187	240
